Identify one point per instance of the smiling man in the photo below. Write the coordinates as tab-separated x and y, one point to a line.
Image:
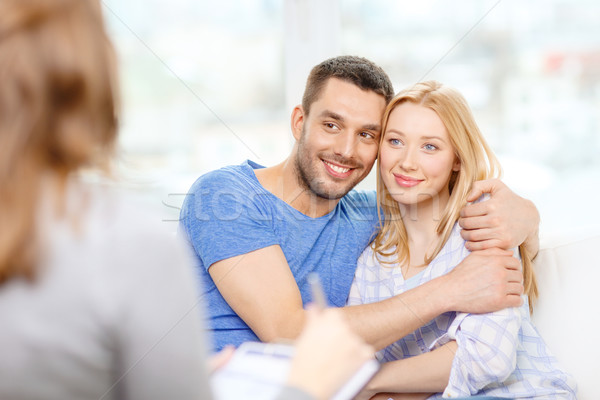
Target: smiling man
337	140
258	232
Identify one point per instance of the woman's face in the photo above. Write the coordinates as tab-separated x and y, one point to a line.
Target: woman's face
416	156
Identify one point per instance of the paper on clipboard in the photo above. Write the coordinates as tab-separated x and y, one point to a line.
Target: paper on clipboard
259	371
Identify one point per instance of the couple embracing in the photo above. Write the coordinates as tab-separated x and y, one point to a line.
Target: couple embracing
423	269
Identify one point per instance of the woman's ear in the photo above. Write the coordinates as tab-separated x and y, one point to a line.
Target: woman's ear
297	121
456	165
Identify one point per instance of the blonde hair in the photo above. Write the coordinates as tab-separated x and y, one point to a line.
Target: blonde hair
57	110
477	162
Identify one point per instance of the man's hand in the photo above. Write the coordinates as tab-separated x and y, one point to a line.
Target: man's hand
505	220
485	281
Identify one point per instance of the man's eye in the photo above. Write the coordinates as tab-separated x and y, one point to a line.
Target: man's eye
366	135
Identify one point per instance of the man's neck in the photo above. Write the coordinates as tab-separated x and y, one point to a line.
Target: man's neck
282	181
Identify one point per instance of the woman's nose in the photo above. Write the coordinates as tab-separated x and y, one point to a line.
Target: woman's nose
408	161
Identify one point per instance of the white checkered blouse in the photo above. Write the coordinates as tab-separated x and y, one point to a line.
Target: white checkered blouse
499	354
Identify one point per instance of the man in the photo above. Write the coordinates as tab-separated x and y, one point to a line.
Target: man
258	232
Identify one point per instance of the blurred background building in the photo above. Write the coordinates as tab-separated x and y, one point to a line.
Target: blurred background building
208	84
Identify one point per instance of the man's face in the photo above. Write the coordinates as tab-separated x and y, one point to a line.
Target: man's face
338	140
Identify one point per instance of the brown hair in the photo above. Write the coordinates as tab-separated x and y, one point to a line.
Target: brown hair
477	162
357	70
57	110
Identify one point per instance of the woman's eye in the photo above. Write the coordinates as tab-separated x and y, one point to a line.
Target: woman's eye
395	142
430	147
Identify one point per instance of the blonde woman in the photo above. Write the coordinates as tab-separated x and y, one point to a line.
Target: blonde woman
430	155
96	302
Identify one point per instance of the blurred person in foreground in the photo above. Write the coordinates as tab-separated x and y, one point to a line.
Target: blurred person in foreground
94	301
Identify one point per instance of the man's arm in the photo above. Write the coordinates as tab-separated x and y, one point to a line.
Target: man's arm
261	289
505	220
484	281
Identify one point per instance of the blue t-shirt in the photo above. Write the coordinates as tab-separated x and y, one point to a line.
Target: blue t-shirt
228	213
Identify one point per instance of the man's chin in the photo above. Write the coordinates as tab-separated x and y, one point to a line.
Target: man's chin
331	193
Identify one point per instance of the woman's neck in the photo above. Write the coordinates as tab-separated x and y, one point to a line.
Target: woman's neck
421	221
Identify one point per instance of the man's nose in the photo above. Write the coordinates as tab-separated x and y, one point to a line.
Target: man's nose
345	144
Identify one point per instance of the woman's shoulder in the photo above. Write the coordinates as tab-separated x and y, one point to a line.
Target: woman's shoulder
373	265
451	254
118	230
455	240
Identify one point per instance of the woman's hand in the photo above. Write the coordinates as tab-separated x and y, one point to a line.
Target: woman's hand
401	396
219	359
368	393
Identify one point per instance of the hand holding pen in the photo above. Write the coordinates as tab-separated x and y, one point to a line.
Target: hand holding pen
326	344
316	289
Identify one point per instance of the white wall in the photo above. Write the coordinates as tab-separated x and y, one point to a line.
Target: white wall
210	84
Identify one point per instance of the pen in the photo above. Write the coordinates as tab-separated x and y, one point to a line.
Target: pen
318	296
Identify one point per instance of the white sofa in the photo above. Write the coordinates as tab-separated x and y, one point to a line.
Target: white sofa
568	272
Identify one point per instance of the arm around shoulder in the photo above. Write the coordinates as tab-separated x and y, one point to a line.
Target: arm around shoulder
505	220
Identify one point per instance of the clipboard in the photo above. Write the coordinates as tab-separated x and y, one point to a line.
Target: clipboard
258	371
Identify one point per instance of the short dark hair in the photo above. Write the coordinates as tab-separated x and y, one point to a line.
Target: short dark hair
356	70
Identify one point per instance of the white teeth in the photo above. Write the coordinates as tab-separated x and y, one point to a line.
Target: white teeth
337	169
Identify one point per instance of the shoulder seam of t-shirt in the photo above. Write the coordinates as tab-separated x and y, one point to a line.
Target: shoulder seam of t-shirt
245	170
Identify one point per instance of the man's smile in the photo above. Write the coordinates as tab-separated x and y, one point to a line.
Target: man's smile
336	170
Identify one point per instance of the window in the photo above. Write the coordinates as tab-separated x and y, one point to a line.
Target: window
207	85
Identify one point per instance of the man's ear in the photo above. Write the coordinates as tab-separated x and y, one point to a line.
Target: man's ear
297	121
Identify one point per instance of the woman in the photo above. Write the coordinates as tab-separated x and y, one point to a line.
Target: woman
95	302
431	153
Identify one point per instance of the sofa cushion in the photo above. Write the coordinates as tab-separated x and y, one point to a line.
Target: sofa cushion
566	313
